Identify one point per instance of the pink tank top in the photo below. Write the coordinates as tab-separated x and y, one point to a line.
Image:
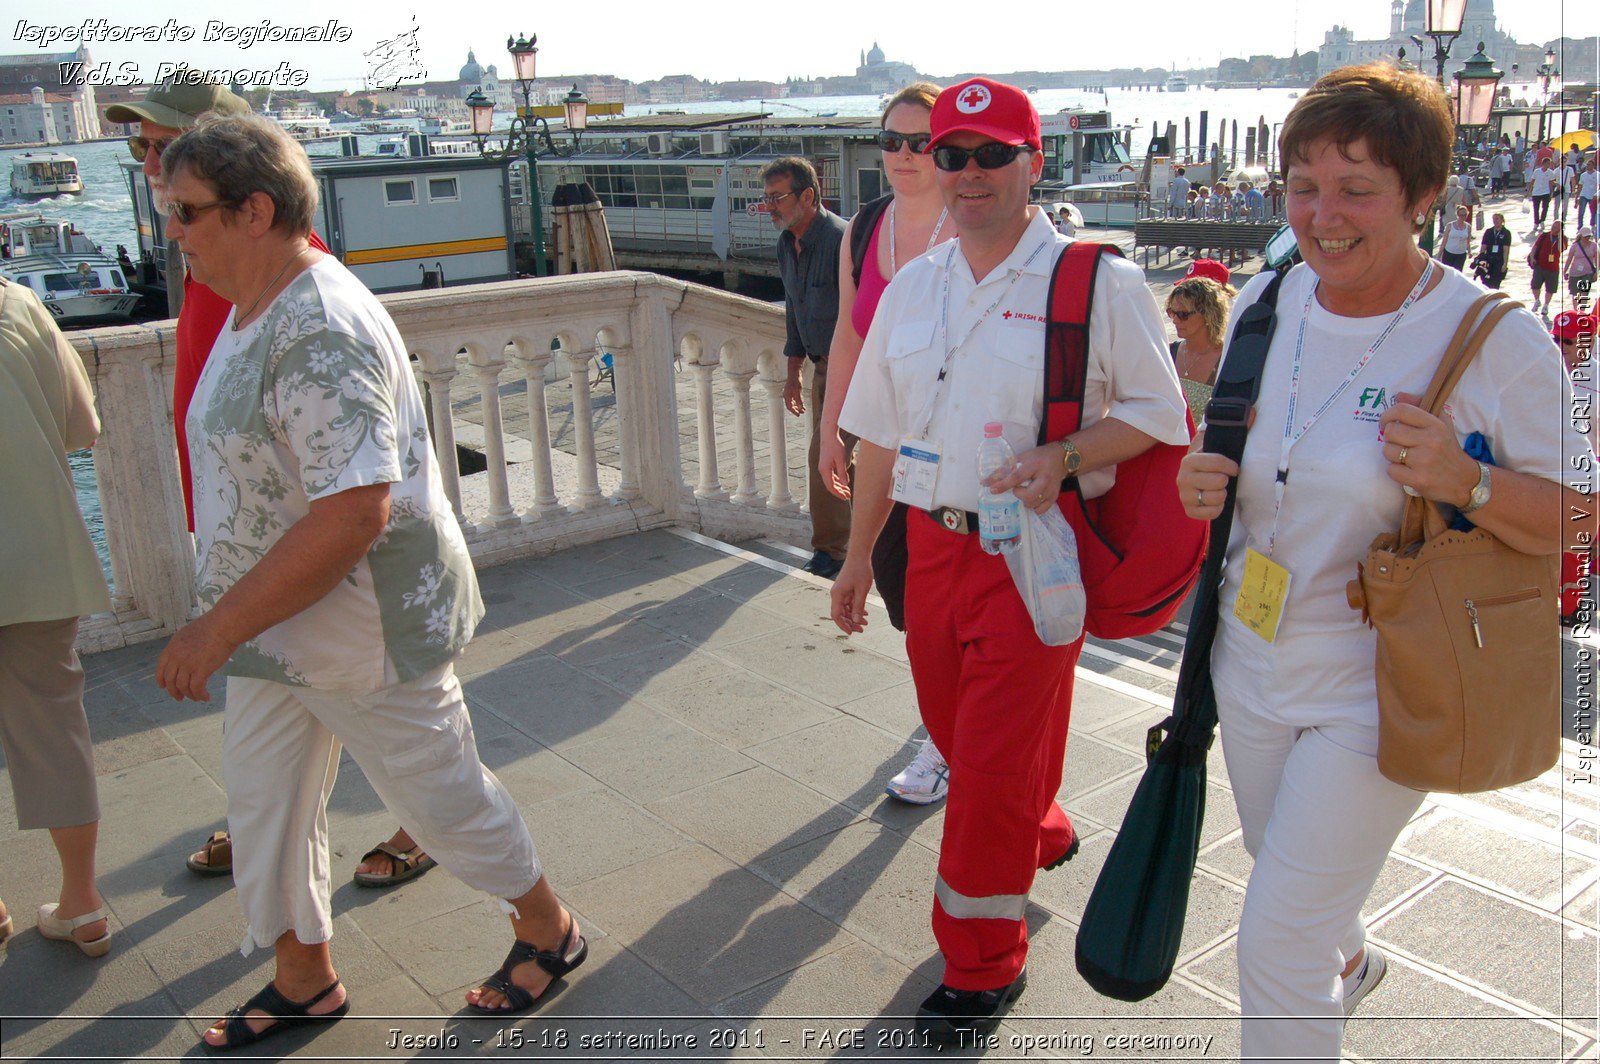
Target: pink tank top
873	282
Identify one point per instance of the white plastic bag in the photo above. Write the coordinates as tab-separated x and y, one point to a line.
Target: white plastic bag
1045	570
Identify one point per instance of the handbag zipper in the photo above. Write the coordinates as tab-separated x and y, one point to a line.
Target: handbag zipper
1499	600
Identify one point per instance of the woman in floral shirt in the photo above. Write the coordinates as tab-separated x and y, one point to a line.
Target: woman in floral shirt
336	584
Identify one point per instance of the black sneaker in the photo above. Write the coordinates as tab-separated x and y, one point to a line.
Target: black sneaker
824	565
958	1017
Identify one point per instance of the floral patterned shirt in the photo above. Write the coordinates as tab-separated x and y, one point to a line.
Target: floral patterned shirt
314	398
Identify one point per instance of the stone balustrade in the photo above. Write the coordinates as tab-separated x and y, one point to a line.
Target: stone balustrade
517	344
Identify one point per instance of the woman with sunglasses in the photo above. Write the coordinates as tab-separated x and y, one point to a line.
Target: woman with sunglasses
912	224
1198	310
336	588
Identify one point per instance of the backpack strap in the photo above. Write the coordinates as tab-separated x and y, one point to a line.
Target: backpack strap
1066	344
865	224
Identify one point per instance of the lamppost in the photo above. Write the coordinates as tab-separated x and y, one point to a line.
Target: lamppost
1444	26
526	130
1546	71
1475	90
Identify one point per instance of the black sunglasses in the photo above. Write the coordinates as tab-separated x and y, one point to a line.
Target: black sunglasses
991	156
139	147
186	214
891	142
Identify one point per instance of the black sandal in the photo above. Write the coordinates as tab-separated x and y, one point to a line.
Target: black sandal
236	1031
558	962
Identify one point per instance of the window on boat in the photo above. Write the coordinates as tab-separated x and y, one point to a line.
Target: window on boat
443	190
67	282
116	279
399	193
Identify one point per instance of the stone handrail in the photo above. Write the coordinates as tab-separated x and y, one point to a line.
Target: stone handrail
513	342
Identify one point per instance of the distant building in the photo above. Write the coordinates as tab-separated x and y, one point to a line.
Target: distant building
1407	18
70	101
675	88
30	117
880	75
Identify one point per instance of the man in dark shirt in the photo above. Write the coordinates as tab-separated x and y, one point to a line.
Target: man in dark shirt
809	236
1494	253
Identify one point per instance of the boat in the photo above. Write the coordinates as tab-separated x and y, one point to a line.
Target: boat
1177	83
44	173
78	283
1116	204
435	127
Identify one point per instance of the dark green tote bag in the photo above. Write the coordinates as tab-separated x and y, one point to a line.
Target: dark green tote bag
1132	926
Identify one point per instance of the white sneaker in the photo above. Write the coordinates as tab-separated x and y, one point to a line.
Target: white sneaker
1362	983
925	781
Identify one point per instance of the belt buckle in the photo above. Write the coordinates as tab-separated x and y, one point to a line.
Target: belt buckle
952	519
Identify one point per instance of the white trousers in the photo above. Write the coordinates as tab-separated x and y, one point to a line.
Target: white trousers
1319	820
414	742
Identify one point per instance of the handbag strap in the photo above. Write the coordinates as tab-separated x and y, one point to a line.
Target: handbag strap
1422	519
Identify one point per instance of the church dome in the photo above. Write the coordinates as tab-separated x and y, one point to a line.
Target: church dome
875	56
472	71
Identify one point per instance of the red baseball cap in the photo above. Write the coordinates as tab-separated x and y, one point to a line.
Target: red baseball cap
1211	268
991	108
1570	325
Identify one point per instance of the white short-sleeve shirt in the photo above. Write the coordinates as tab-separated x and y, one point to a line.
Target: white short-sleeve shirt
997	373
1339	497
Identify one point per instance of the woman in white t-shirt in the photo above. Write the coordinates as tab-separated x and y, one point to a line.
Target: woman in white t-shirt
1361	327
1457	240
1541	183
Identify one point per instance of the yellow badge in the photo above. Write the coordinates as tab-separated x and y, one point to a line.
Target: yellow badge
1262	595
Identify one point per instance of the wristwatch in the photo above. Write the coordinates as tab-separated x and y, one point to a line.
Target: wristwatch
1072	458
1480	493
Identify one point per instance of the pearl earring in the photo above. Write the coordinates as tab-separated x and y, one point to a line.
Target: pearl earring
1421	219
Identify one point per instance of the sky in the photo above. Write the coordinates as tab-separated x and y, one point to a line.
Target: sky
719	40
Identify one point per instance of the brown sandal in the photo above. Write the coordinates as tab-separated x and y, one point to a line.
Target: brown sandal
403	865
219	856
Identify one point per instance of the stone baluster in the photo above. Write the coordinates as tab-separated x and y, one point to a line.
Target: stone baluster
743	438
623	387
444	429
501	513
779	498
710	486
589	494
534	365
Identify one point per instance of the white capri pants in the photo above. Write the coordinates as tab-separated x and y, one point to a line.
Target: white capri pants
1319	820
414	742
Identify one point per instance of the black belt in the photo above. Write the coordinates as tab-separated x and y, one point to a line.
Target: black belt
954	520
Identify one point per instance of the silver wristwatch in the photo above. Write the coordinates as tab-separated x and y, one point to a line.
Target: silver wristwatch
1480	493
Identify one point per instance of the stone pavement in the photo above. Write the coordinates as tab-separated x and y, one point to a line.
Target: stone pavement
700	756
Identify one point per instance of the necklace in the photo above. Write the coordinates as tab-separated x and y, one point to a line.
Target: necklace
1192	359
237	317
933	238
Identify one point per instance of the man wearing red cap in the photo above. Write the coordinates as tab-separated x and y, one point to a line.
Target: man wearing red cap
958	342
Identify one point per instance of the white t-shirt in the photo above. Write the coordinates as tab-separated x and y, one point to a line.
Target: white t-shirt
1588	182
1540	182
1339	497
1458	238
997	374
313	398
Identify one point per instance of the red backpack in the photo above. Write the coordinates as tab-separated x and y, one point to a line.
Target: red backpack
1139	552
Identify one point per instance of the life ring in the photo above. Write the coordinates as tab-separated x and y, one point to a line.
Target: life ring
1128	167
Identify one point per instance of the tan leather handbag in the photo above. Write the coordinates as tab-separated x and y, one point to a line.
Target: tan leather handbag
1469	646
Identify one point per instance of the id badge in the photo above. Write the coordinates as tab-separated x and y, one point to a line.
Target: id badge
1262	594
916	472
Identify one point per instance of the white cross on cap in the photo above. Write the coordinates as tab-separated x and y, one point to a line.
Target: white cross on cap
972	99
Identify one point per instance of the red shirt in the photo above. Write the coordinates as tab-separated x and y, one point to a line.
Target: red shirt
203	315
1547	251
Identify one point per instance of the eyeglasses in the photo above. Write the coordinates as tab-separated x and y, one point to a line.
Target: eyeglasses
139	147
1181	315
772	201
991	156
891	142
185	214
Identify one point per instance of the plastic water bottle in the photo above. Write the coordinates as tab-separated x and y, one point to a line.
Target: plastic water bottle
999	516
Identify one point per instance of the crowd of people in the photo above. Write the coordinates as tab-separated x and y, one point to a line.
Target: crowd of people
336	590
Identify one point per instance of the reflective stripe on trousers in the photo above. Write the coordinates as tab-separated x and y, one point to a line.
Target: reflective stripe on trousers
993	907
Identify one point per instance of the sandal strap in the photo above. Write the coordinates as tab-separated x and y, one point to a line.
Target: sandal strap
87	918
517	998
403	858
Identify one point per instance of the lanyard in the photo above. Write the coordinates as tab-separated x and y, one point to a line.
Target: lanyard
1291	434
894	255
950	349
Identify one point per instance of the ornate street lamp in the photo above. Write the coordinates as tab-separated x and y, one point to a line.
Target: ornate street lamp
1444	26
1546	71
527	130
1475	89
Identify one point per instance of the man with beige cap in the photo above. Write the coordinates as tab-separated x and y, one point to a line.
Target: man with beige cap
170	108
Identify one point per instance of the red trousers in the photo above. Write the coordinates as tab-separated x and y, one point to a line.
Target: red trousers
996	701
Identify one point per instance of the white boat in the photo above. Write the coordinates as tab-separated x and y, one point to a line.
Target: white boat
1117	204
1177	83
437	127
44	173
79	283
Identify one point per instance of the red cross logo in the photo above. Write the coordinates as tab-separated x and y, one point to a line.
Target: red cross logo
1006	315
973	99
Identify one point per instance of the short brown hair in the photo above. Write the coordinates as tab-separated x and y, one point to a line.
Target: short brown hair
1403	116
1210	299
242	154
920	93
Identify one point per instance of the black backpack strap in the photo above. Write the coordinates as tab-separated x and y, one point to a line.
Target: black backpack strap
1227	421
864	224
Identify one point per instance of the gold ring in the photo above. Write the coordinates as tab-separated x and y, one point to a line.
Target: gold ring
1199	496
1403	452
